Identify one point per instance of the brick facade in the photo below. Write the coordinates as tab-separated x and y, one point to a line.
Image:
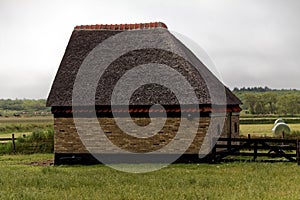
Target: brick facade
68	141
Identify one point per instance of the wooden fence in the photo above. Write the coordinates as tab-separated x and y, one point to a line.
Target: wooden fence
13	139
256	147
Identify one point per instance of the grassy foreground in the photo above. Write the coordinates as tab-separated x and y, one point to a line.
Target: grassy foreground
18	180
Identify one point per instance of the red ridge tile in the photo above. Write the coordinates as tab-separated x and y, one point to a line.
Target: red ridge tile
122	26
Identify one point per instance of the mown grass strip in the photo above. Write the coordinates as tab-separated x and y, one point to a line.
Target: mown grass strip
19	180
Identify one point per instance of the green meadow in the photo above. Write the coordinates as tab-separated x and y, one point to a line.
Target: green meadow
22	176
19	179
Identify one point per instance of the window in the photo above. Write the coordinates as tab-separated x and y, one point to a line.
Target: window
235	127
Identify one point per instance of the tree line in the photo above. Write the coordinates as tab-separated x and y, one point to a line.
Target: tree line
252	89
23	105
256	100
261	89
282	102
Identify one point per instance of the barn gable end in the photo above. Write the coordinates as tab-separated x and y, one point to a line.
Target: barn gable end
69	148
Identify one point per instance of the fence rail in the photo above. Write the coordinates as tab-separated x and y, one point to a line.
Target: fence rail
256	147
13	139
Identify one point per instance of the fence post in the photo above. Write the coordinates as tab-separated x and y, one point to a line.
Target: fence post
255	151
13	142
249	137
298	152
213	150
213	154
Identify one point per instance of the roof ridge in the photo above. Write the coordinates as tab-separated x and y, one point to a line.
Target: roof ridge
122	26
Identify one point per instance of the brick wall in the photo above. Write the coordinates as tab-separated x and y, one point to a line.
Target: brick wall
68	141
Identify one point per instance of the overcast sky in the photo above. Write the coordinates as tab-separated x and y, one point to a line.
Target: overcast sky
251	42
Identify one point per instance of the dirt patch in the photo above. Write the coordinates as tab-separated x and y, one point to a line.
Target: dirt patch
41	163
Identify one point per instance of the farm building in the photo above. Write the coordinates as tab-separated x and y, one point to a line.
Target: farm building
68	145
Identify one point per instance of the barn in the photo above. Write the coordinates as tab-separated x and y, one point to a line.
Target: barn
163	49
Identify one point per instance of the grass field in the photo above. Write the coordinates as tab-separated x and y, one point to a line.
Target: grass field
237	180
18	180
27	120
262	129
24	124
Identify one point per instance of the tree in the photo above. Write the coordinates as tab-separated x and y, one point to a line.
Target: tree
250	100
260	104
289	104
271	99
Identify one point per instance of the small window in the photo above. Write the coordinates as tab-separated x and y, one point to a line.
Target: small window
235	127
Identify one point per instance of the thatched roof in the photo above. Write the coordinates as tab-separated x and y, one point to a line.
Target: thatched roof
85	38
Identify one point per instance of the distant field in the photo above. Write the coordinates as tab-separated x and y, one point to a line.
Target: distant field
19	180
24	124
26	120
262	129
268	120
